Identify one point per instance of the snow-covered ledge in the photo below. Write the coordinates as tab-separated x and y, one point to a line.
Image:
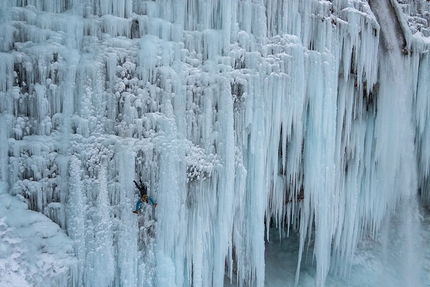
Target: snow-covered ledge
34	251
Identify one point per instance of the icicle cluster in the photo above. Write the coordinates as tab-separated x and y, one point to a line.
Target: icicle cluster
238	115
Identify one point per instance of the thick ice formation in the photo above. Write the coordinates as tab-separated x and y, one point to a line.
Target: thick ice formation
238	115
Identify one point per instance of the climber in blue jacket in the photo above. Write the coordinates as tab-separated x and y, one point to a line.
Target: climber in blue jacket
143	196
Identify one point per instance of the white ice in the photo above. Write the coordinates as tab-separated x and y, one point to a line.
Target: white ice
34	251
285	142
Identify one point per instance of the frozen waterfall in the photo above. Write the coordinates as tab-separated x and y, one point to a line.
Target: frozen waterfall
250	121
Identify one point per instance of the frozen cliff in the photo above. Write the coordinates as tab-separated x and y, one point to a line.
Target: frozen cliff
248	120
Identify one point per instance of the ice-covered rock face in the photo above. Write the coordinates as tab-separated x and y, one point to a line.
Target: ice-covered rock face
418	15
235	113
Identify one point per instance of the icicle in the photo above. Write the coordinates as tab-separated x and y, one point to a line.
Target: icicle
236	113
76	217
104	262
6	72
127	254
4	174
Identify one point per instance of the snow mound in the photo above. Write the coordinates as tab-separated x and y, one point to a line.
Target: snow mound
34	251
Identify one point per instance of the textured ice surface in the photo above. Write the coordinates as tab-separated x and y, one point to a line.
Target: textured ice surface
34	251
239	115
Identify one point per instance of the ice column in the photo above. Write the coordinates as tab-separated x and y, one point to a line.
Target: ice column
422	107
126	246
76	218
172	228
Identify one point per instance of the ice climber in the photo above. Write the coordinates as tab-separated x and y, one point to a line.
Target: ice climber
143	196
